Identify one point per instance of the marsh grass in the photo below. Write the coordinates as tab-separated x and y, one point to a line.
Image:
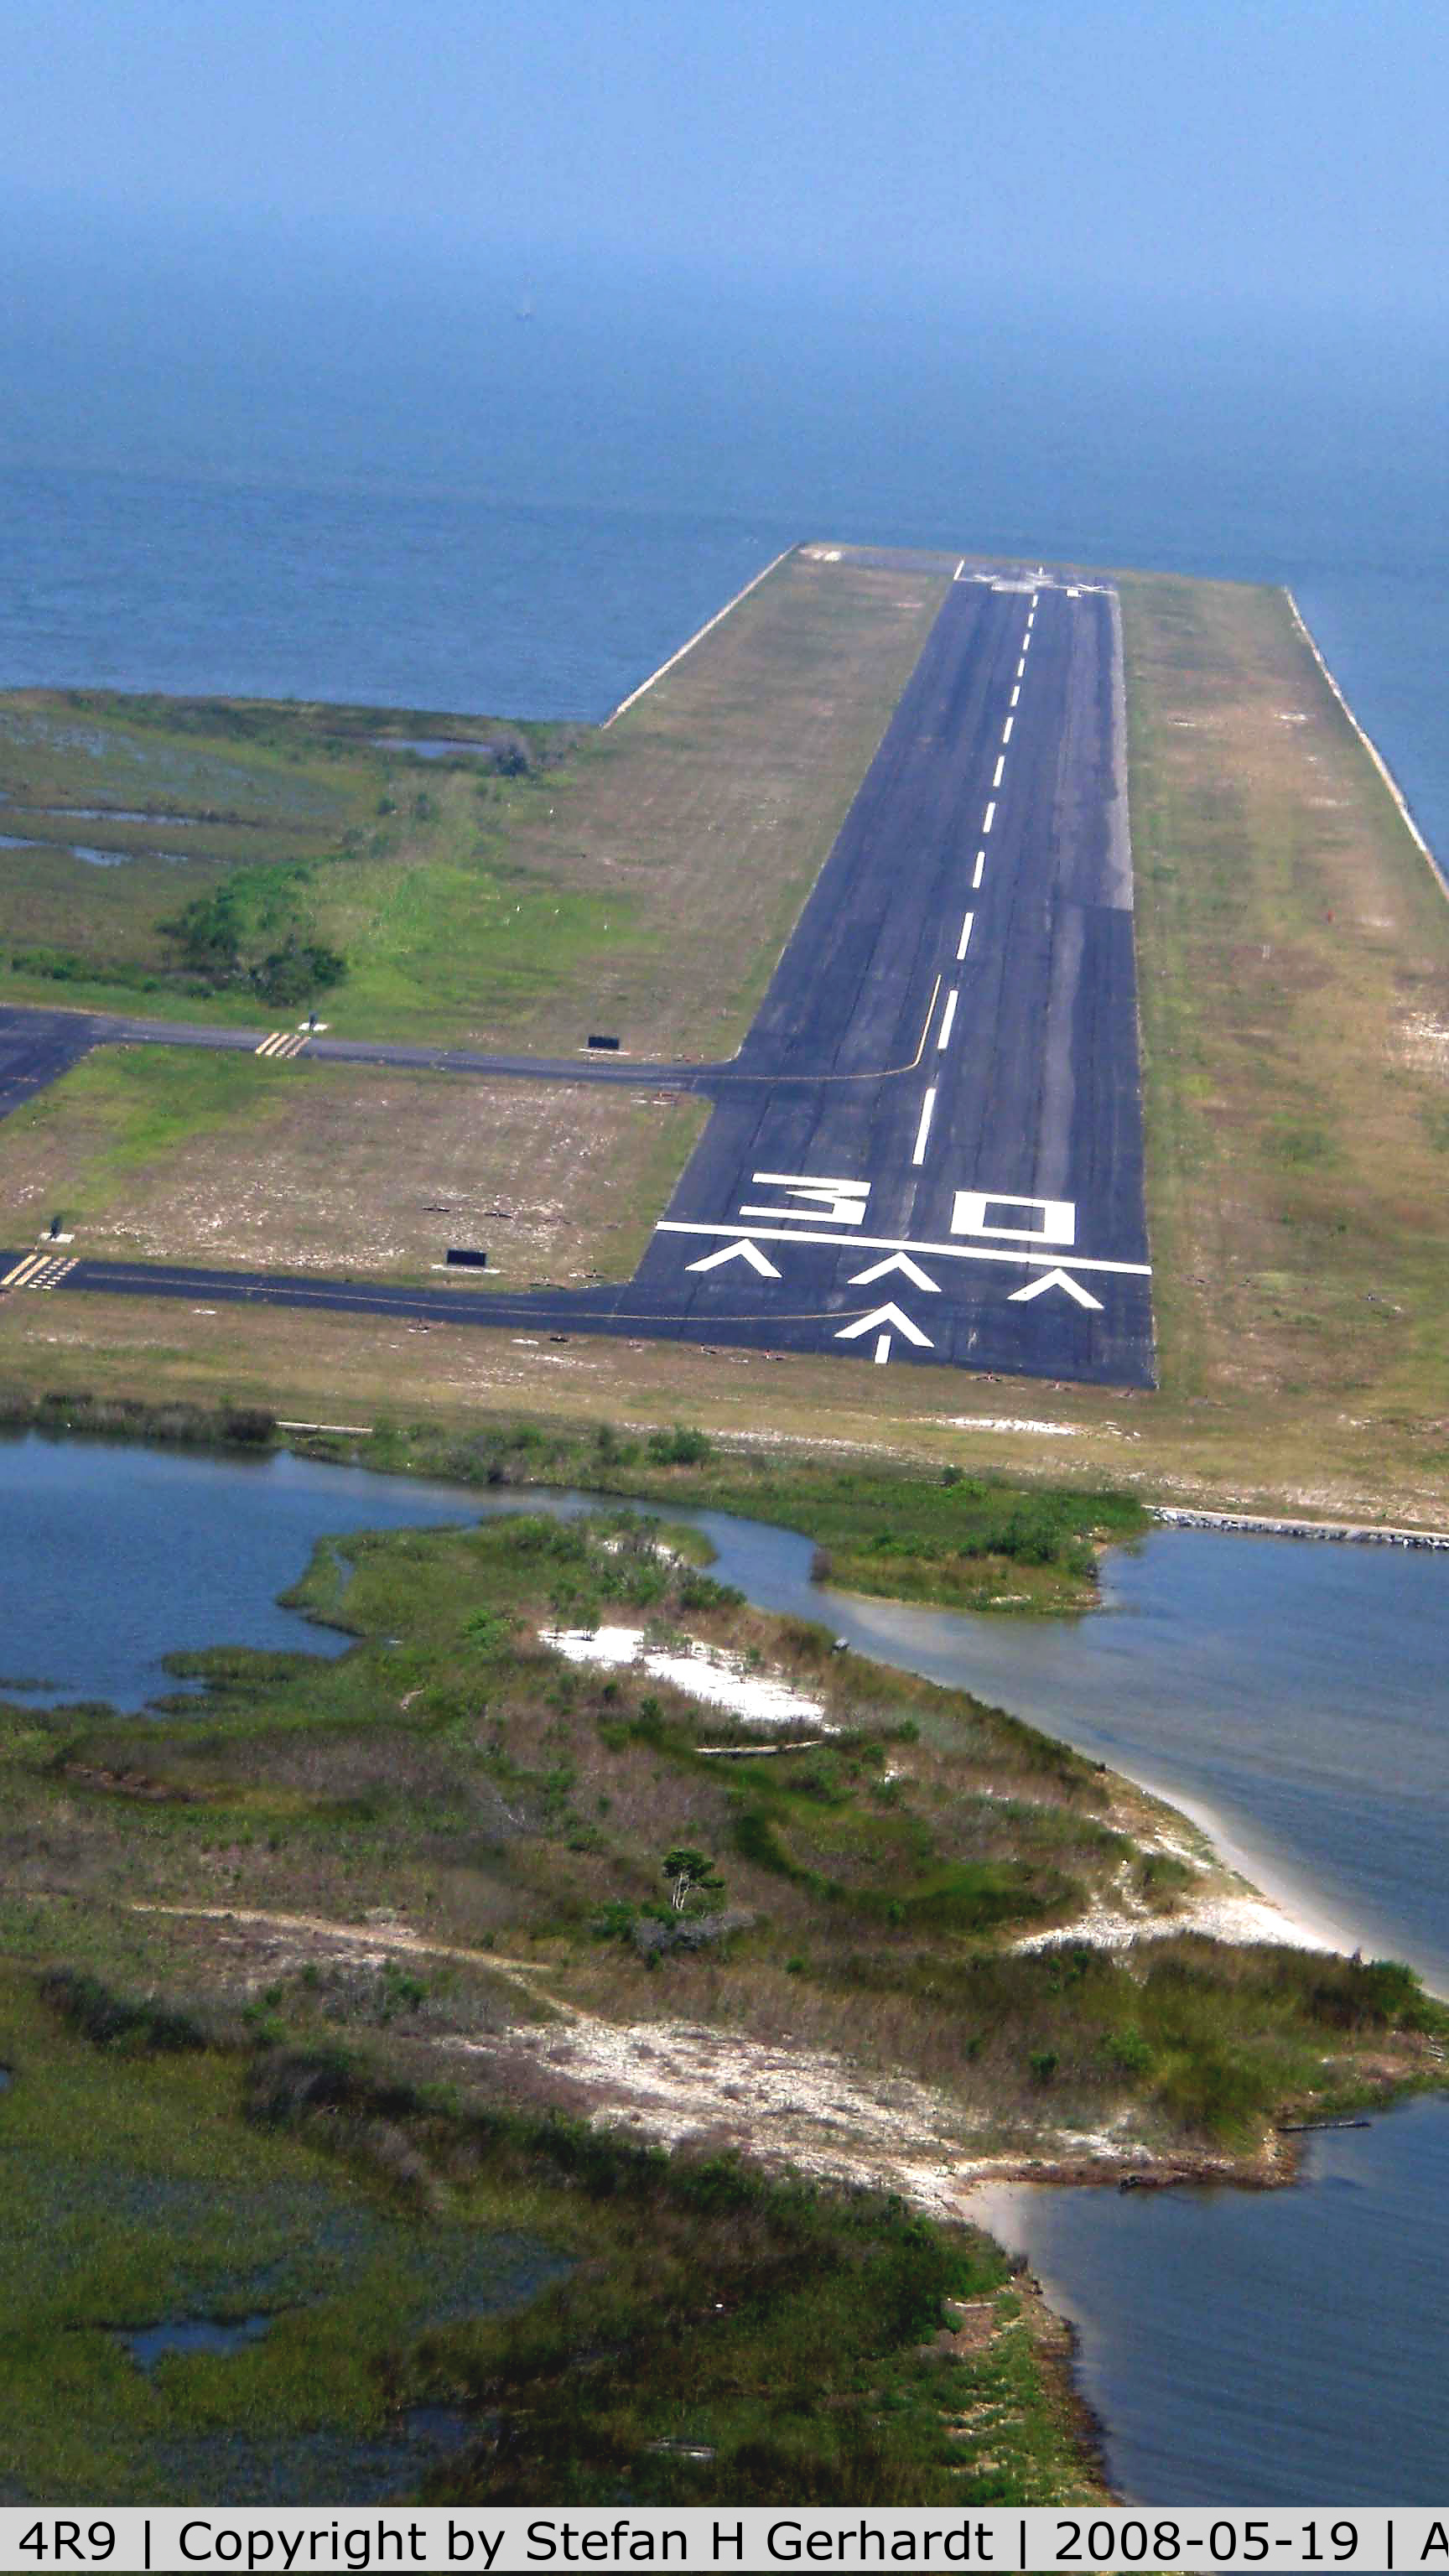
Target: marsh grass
264	2109
137	2194
374	2237
904	1532
450	1772
515	900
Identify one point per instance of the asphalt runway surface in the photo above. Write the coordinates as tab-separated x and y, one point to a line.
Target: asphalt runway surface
929	1148
36	1048
951	1115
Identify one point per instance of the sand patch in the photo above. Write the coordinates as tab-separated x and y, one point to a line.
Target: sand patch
703	1672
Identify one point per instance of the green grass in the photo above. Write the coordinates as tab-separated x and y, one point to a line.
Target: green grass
140	1105
390	858
456	937
383	2233
136	2194
1294	952
966	1540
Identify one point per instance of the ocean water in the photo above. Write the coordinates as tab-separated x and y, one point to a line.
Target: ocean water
390	488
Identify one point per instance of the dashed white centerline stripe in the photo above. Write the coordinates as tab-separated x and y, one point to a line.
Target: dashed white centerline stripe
964	942
989	817
1000	766
1016	692
1006	728
960	568
918	1151
979	871
947	1016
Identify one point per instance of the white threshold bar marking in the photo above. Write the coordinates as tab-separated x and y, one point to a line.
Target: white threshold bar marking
882	1349
1057	1260
947	1016
918	1151
968	924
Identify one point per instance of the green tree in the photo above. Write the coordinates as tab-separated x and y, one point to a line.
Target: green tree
690	1873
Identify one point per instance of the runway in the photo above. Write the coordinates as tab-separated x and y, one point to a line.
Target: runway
952	1116
930	1147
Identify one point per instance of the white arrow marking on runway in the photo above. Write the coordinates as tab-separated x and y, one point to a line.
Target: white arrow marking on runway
895	1261
741	1251
894	1322
1055	1279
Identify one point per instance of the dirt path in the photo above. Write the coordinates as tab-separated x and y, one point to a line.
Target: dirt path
366	1936
776	2100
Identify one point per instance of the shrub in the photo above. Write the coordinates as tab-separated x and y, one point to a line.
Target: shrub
660	1936
249	1424
1128	2051
250	930
145	2024
679	1448
488	1631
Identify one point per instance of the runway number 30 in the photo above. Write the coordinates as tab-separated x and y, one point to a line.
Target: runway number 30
1024	1220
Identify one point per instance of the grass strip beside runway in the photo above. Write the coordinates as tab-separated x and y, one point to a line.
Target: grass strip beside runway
335	1169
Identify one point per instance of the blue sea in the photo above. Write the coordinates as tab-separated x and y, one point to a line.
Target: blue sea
459	491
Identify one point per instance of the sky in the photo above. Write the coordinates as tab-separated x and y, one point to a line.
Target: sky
1284	152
